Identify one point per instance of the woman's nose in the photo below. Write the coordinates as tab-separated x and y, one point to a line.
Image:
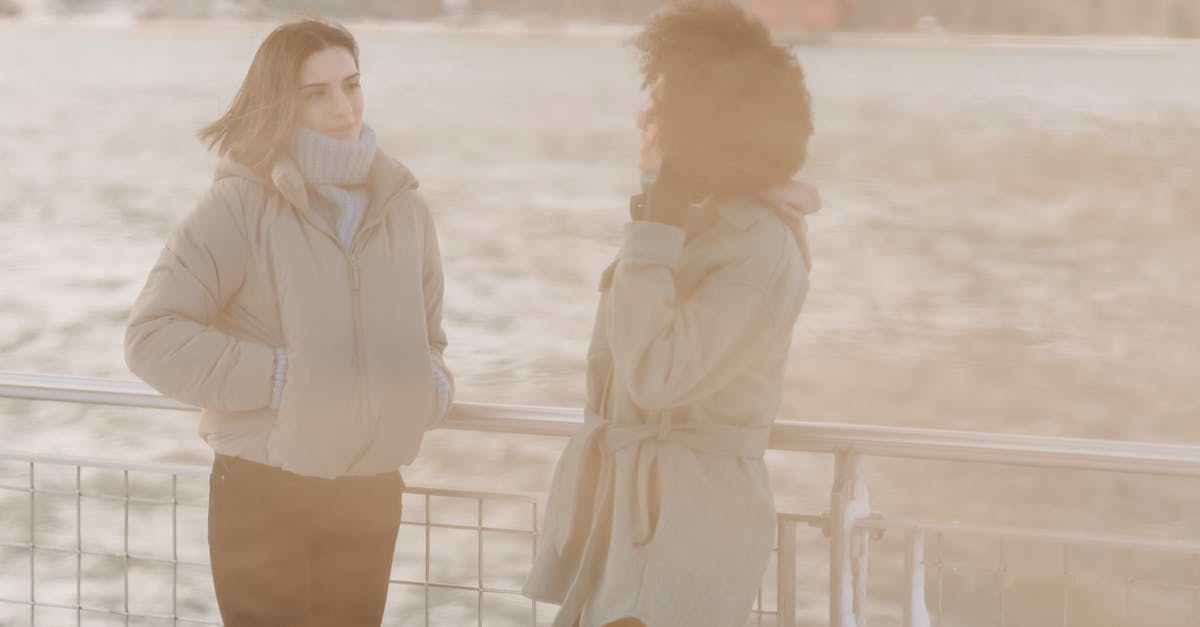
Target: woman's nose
342	104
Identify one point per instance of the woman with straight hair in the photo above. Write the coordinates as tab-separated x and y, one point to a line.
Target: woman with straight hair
299	305
660	511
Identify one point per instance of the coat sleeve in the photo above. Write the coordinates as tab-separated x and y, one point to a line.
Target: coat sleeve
169	341
433	285
671	351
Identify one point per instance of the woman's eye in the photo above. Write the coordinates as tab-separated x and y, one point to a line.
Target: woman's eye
354	85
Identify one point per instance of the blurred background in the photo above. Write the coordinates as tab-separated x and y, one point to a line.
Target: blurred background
1171	18
1010	240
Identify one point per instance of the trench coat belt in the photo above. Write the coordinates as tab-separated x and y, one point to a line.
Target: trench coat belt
589	456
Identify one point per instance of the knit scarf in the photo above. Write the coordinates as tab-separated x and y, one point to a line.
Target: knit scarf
337	171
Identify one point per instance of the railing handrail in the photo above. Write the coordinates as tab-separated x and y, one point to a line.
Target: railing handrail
1072	537
869	440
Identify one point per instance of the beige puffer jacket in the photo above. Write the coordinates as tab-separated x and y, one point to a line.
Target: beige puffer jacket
255	268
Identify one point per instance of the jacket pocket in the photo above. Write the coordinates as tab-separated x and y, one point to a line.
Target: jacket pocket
322	424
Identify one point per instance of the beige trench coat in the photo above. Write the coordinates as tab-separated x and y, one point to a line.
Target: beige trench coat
660	507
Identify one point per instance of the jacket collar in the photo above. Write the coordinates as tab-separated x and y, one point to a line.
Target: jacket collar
288	181
740	211
386	179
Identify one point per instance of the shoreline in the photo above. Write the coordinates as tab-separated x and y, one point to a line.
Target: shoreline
521	28
1103	43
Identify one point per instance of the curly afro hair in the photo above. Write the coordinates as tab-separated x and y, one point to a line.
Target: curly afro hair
731	107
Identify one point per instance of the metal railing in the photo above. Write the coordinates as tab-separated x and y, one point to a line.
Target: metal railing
88	482
850	523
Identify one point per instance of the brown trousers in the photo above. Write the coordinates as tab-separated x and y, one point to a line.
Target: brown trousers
300	551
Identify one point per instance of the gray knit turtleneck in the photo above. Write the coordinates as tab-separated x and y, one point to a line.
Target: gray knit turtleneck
337	170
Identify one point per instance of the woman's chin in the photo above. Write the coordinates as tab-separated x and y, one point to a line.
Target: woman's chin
344	134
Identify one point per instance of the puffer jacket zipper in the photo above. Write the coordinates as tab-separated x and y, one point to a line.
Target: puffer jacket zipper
359	394
352	255
357	245
360	352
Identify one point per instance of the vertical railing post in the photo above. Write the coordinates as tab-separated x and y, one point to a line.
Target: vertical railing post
533	621
428	544
32	546
125	557
785	577
479	561
915	612
848	555
860	543
175	550
78	546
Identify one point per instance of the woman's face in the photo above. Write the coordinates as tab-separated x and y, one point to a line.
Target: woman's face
649	155
331	99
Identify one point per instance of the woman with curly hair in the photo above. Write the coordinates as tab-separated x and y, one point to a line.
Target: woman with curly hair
660	512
